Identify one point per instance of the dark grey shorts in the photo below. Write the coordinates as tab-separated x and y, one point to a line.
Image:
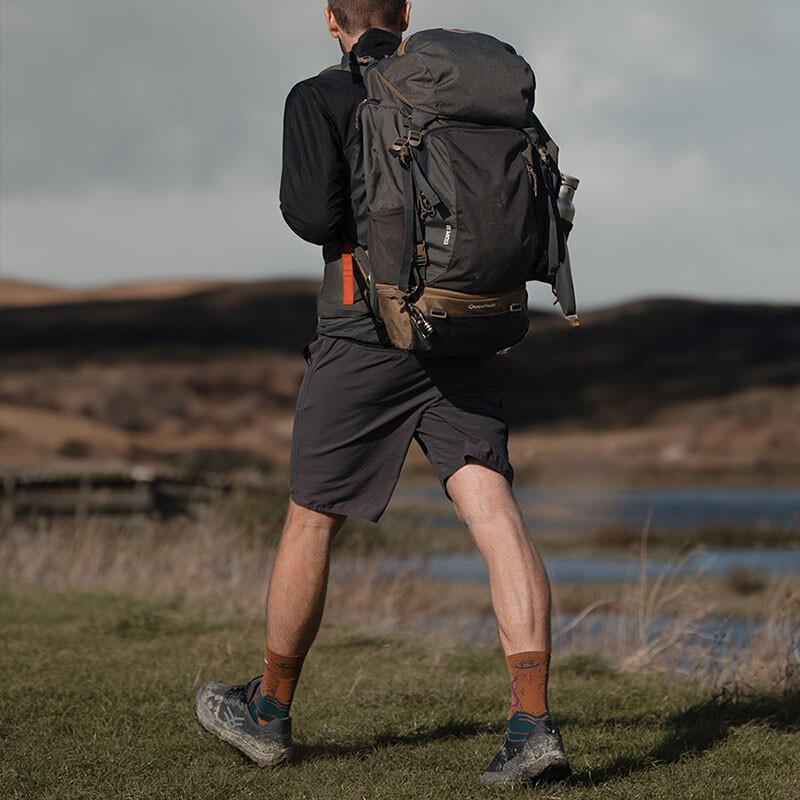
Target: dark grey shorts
360	406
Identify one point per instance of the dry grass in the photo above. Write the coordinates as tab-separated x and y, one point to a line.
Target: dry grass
675	626
220	563
206	562
151	406
750	436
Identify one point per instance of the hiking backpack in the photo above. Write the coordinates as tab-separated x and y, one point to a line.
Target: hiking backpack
461	188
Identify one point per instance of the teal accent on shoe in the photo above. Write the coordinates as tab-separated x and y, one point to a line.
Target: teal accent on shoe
521	723
539	757
265	708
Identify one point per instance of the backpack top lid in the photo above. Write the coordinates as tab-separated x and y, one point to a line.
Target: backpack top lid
462	75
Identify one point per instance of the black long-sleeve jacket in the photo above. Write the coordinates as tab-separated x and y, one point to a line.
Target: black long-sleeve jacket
322	185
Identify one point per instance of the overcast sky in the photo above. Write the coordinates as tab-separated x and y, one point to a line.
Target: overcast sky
140	139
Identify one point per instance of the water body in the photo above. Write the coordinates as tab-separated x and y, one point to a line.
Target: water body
568	569
673	509
584	511
712	638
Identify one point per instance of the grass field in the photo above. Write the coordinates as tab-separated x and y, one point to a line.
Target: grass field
97	692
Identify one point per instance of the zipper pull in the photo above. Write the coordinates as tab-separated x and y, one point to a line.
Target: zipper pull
532	182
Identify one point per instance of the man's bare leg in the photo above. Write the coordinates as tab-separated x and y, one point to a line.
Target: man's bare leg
295	602
299	581
254	717
517	578
532	748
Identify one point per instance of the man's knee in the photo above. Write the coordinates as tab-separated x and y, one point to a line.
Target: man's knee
480	494
307	520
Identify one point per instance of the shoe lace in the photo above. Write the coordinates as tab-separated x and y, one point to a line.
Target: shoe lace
241	693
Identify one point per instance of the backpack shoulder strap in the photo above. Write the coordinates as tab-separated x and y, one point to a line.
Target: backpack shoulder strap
350	63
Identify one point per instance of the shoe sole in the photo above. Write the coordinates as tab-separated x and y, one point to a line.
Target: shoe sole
550	768
265	754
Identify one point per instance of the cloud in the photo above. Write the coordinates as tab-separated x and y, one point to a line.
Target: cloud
146	94
231	231
143	138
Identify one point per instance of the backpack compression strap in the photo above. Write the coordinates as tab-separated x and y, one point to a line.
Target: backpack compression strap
414	181
410	223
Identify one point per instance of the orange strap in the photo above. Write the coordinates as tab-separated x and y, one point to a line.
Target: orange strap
347	278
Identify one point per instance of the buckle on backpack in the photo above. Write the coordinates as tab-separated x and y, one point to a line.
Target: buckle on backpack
422	255
414	137
424	328
426	210
402	147
401	150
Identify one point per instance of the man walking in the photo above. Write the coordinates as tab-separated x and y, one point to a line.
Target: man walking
360	404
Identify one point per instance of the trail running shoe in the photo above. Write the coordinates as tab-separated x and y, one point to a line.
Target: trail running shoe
222	710
540	757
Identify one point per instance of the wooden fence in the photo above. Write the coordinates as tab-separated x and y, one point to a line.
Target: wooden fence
135	493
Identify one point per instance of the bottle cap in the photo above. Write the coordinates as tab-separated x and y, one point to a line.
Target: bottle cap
570	180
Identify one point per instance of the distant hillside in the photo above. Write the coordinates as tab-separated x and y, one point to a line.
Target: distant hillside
621	367
625	364
277	314
23	293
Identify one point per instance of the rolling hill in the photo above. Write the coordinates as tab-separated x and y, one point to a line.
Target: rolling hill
171	368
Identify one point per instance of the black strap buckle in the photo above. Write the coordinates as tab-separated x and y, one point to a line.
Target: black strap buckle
426	210
422	325
414	137
401	150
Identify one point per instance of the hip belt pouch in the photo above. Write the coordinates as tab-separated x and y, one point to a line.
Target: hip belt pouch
448	323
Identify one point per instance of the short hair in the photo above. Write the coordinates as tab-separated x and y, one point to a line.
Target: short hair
360	15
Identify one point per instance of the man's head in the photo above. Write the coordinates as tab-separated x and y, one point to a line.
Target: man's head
348	19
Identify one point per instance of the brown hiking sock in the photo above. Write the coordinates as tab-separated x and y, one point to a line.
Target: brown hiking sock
273	697
528	672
